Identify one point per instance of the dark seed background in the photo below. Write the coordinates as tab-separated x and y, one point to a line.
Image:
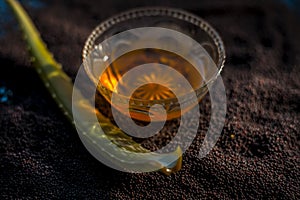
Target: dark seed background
257	156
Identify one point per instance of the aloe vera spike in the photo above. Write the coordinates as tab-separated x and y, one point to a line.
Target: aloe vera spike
60	86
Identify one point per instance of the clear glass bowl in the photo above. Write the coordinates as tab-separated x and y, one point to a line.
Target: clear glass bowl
170	18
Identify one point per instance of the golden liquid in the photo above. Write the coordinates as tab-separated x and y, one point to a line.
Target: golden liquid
148	92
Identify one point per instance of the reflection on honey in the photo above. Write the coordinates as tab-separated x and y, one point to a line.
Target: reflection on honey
148	92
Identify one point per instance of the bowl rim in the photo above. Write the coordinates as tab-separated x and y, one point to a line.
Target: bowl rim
157	11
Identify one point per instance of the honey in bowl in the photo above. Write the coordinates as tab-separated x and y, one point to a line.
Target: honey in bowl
149	93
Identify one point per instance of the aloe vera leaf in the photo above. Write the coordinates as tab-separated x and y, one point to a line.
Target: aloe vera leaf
60	87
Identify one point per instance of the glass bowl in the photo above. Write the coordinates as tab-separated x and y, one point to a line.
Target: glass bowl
170	18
